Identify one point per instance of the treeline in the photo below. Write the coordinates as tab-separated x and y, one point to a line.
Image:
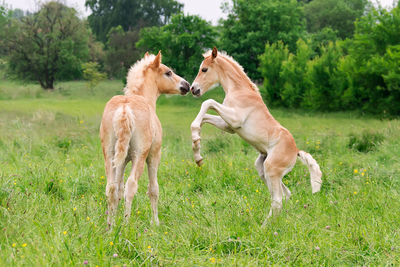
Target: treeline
324	55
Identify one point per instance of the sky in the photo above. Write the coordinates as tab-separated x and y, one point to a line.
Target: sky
207	9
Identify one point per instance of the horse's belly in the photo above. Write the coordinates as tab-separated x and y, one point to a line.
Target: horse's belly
259	142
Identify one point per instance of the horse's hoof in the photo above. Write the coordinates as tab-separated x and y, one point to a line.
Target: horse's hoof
199	162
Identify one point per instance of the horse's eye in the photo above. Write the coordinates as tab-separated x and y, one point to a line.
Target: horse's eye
168	73
204	69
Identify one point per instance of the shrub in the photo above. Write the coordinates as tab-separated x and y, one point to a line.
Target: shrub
365	142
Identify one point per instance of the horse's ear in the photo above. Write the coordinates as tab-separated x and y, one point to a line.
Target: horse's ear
214	52
157	61
146	54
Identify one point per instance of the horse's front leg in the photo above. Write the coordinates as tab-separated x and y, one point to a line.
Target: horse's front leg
225	122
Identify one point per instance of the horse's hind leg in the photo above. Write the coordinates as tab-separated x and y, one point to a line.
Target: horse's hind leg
131	186
286	191
153	161
259	164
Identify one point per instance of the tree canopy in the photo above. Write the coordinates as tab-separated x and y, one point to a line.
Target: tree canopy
253	23
48	45
338	15
133	14
182	42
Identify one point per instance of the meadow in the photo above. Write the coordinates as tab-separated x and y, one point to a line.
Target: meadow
52	189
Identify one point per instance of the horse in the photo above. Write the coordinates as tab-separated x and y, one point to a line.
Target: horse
243	112
131	131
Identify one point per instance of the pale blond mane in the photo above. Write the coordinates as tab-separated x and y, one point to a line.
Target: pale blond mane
235	64
135	77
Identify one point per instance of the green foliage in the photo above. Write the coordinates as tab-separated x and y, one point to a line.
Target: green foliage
121	51
182	42
92	75
294	75
130	15
373	63
326	80
271	67
48	46
366	142
253	23
339	15
362	73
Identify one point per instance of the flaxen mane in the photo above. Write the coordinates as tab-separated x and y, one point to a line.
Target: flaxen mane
135	77
235	65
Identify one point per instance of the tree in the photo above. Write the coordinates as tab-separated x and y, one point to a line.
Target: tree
130	15
338	15
253	23
182	42
121	52
48	45
92	74
373	63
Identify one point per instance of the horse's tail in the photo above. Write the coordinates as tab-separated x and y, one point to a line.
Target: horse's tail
313	167
123	123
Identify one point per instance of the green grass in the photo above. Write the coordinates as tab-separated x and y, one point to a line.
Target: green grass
52	190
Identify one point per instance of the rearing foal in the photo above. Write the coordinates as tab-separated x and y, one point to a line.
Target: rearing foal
131	131
244	112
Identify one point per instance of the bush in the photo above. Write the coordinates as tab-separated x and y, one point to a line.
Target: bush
366	142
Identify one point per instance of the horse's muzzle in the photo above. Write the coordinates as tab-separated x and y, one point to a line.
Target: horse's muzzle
184	87
195	90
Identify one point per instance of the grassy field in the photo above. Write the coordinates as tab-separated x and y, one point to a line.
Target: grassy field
52	189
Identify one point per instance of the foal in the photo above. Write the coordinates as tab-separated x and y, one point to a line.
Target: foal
244	112
131	131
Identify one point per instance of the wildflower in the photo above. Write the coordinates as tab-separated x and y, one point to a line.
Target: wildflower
327	227
210	248
362	174
340	163
275	233
24	245
111	243
81	121
87	218
166	233
115	255
355	171
355	193
14	245
316	147
257	190
149	247
86	262
65	232
212	260
317	248
192	206
138	212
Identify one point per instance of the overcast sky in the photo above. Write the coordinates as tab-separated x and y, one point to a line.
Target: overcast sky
208	9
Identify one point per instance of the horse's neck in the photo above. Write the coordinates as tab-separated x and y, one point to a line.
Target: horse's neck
232	80
150	93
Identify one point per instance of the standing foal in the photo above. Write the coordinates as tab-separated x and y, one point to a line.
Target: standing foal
131	131
244	112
